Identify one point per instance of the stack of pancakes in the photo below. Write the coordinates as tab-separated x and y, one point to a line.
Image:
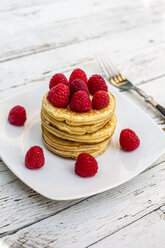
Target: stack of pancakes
69	133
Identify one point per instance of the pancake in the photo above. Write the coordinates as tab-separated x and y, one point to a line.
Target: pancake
95	137
73	154
79	118
67	145
68	133
63	126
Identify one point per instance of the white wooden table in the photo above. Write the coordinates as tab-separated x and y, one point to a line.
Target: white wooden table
39	38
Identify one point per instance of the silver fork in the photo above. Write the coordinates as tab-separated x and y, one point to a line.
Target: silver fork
118	80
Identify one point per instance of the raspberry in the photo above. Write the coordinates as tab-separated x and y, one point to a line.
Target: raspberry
17	116
59	95
96	83
100	99
129	141
58	78
78	74
80	102
77	85
86	165
34	158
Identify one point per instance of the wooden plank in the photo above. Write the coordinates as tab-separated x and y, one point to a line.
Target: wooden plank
14	5
20	205
141	52
21	211
139	59
153	88
96	217
47	27
16	199
60	7
51	30
146	233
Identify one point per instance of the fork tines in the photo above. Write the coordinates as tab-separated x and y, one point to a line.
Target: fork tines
111	72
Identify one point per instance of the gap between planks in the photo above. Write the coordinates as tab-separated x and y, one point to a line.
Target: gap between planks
129	224
68	70
146	232
22	55
34	222
77	203
85	35
60	45
134	68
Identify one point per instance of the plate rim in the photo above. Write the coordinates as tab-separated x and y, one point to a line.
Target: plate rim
83	195
91	193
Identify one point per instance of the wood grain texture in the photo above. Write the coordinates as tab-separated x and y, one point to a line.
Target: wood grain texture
16	199
52	25
39	38
152	87
21	206
15	5
139	62
147	232
98	216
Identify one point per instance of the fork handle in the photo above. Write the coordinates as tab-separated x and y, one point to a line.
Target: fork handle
149	99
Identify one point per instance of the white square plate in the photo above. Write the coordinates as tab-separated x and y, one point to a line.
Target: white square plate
57	180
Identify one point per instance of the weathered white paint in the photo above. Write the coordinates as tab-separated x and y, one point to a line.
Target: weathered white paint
136	57
40	38
16	199
13	5
48	26
98	216
146	233
153	88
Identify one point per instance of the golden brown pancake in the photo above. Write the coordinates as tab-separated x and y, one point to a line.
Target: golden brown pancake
78	118
63	144
63	126
74	154
94	137
67	133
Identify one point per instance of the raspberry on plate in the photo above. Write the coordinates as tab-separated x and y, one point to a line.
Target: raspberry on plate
34	158
96	83
78	74
129	141
17	116
77	85
100	100
86	165
59	96
80	102
58	78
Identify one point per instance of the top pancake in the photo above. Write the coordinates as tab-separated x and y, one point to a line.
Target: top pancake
79	118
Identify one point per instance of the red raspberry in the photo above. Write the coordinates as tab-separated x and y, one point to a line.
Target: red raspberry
77	85
96	83
80	102
58	78
86	165
17	116
78	74
34	158
59	95
100	99
129	141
